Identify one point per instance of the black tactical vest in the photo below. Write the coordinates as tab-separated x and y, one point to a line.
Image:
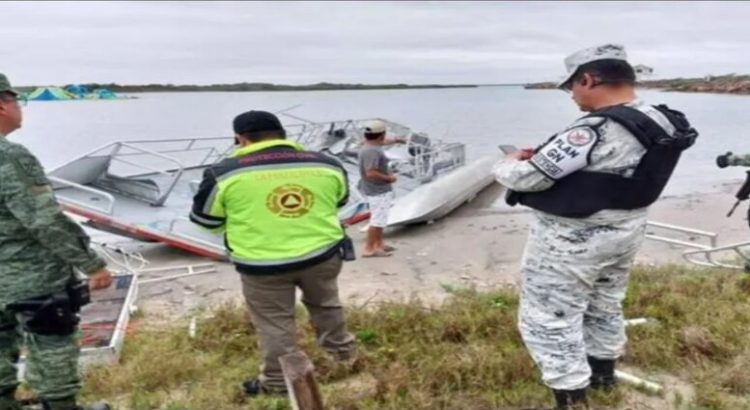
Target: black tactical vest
584	193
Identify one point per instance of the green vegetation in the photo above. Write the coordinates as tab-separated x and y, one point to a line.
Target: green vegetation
541	86
463	354
119	88
729	84
701	335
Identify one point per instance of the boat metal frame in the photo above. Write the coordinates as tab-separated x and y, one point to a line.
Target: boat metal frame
110	354
116	155
101	213
423	166
142	189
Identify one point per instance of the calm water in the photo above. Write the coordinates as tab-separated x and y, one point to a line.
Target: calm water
481	117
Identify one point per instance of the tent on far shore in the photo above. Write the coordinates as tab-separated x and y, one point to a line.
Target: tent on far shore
104	94
77	89
50	94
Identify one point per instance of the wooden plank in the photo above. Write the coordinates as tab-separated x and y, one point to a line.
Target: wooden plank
299	375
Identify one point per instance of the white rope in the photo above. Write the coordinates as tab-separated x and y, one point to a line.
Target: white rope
132	262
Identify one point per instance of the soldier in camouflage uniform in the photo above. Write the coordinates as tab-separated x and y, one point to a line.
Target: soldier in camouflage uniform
730	159
575	270
39	249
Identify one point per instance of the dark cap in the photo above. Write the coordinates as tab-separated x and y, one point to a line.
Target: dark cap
256	121
5	85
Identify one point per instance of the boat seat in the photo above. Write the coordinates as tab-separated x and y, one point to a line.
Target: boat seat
142	189
439	166
83	171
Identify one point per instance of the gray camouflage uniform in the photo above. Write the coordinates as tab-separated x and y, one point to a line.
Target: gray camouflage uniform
575	270
39	248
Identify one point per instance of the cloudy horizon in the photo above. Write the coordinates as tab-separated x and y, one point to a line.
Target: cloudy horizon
352	42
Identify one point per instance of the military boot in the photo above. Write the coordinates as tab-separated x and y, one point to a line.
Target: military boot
571	399
602	374
8	402
71	404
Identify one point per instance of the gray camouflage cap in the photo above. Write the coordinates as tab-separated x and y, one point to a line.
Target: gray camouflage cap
579	58
5	85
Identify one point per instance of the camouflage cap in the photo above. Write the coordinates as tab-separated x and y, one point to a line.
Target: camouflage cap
5	85
579	58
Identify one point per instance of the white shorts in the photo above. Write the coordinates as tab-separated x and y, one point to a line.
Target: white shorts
379	207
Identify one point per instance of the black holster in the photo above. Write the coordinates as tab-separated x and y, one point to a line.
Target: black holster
79	294
347	249
54	314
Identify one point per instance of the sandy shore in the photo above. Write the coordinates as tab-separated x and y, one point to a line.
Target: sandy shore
479	245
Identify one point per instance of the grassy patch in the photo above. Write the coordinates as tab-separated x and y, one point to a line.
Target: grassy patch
701	332
464	354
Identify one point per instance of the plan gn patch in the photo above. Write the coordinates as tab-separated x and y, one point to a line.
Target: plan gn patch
566	153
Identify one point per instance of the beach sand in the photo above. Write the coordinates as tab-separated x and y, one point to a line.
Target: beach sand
480	245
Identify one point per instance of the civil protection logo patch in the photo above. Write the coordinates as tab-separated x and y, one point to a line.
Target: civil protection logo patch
290	201
580	137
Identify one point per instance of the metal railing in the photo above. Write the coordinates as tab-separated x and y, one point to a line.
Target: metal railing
127	152
110	204
702	254
310	133
427	159
188	145
173	174
437	159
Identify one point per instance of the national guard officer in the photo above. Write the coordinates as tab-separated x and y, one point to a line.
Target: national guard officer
590	186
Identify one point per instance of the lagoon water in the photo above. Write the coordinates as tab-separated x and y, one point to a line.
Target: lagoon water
480	117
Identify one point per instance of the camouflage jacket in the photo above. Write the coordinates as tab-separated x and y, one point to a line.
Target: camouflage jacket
39	245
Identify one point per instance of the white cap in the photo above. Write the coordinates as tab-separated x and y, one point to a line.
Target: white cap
603	52
375	127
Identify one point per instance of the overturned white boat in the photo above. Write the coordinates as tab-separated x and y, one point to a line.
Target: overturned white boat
144	189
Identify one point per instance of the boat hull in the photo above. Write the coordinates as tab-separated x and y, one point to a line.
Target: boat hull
437	199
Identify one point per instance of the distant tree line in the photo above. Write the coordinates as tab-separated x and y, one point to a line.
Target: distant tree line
729	83
257	87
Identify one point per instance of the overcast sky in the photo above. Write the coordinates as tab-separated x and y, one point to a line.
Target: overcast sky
377	42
